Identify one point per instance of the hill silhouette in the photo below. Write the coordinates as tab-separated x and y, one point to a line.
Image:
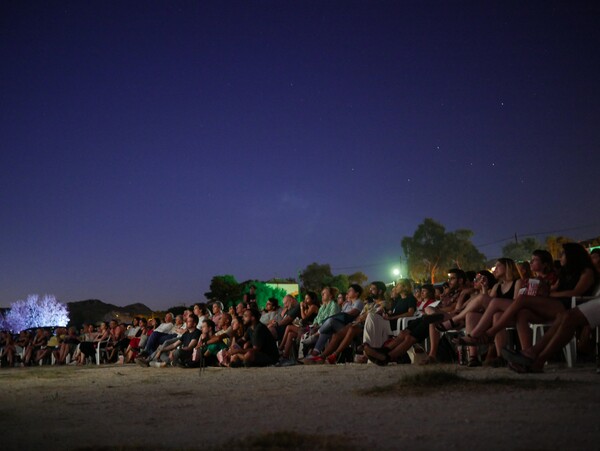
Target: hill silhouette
94	311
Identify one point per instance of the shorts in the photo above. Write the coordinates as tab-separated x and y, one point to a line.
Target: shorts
418	329
591	311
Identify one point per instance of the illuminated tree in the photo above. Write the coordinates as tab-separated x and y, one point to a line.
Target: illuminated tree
36	312
431	251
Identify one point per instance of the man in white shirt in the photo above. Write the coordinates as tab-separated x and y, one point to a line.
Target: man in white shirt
159	335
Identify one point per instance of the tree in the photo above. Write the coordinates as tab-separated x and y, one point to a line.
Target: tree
340	282
431	251
521	250
35	312
225	289
358	277
316	276
554	245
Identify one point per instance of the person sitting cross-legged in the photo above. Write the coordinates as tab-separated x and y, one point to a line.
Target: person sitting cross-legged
260	348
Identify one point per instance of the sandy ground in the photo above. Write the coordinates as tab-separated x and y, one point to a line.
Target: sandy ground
113	405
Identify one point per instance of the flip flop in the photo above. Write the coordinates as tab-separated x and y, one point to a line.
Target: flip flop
468	340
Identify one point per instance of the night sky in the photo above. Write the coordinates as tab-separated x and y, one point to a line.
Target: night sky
148	146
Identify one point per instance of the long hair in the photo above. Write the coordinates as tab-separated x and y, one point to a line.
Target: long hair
512	270
577	261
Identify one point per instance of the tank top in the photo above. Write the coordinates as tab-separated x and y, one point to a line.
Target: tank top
510	294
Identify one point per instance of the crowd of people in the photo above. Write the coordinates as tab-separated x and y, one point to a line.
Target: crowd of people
379	324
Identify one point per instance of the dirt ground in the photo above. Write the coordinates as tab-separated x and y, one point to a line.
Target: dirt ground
129	407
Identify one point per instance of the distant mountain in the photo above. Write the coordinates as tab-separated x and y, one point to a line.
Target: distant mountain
94	311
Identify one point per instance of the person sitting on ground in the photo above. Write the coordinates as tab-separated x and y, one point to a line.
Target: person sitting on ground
375	307
309	309
220	339
351	308
260	348
179	352
290	311
270	312
577	277
208	346
532	360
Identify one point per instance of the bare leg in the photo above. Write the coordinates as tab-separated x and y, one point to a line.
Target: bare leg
471	322
547	308
524	318
501	338
402	347
347	341
558	336
336	340
290	342
496	305
480	302
434	341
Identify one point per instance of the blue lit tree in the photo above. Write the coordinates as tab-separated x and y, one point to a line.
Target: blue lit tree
35	311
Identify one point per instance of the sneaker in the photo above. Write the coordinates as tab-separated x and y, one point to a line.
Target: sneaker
332	359
314	359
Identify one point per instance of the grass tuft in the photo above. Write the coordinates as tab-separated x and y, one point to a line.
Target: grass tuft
437	380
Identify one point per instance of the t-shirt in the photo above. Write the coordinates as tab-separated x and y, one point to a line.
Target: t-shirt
261	338
351	305
403	305
188	337
325	311
165	328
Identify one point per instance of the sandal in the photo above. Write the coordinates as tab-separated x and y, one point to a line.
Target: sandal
446	326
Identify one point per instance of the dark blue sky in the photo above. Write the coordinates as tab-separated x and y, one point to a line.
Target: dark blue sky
148	146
